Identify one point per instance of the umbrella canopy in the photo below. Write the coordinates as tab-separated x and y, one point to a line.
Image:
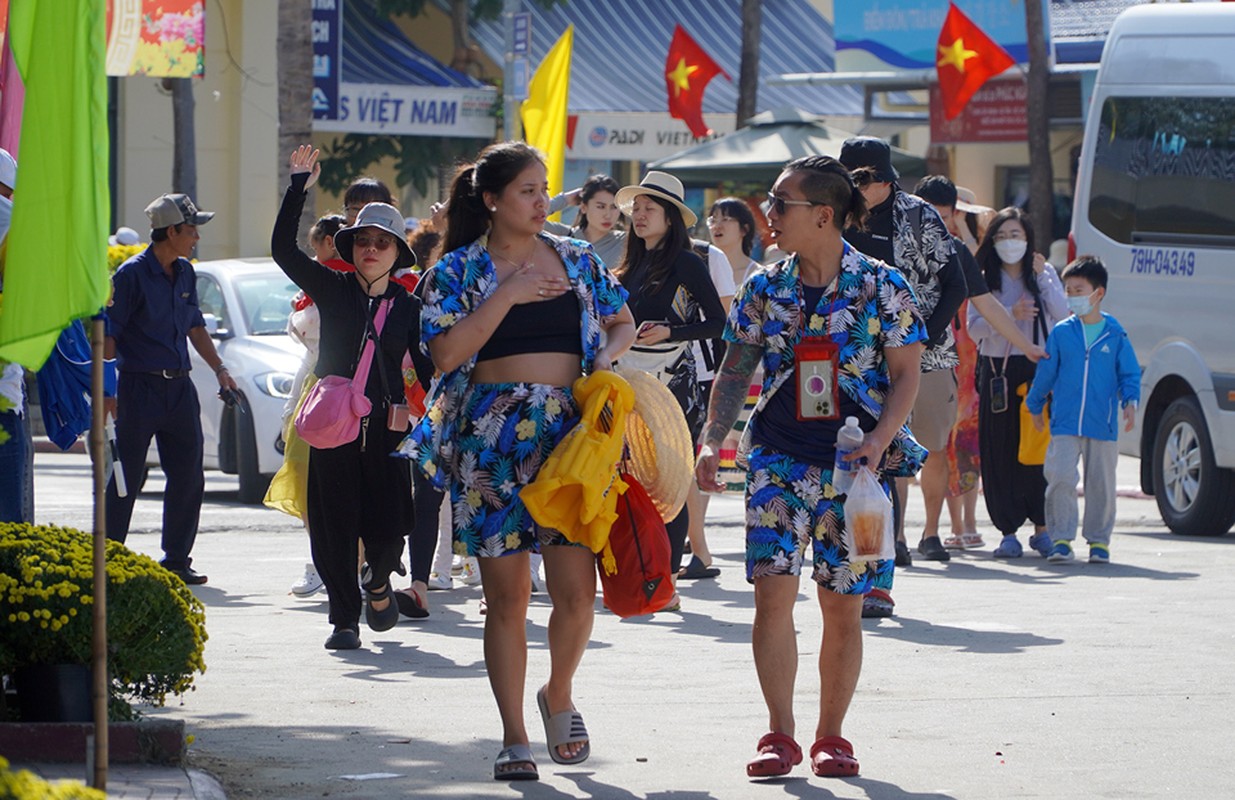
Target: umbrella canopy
757	152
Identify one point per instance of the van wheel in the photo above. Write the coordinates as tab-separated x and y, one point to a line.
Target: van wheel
1195	496
253	484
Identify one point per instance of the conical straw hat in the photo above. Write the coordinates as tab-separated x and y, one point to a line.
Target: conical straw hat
662	457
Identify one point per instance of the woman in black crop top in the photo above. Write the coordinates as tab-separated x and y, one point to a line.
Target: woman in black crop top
512	317
672	297
356	489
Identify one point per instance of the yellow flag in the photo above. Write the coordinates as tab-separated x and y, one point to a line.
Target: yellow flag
544	110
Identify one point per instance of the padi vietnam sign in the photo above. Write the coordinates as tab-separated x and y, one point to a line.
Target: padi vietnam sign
395	110
637	136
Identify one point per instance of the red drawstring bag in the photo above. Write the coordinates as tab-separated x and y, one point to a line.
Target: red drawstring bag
640	547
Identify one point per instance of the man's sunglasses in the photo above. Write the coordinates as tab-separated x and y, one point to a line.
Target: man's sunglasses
778	204
376	242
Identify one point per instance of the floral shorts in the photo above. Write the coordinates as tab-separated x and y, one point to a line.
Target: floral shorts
790	503
506	432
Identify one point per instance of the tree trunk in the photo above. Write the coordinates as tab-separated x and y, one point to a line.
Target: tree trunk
295	74
1041	180
748	77
184	137
464	57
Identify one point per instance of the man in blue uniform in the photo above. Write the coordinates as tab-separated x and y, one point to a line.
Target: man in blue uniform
152	317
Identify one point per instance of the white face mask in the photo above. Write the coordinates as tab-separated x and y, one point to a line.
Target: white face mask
1081	305
1011	251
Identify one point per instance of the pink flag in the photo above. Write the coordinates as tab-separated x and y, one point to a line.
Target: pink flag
12	97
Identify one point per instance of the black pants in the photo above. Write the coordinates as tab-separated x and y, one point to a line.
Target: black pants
167	410
358	493
1014	492
422	541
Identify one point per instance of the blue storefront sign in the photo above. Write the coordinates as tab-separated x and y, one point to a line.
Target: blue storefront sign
327	43
903	34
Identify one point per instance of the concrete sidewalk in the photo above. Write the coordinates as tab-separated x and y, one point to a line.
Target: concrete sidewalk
995	679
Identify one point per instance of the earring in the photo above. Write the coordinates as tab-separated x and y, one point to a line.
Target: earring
492	209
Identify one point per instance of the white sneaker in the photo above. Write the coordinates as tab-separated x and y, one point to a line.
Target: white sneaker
438	582
309	584
456	564
470	574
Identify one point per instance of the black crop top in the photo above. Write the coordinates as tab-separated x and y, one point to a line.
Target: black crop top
549	327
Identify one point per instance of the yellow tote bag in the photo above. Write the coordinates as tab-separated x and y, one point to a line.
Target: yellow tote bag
1032	450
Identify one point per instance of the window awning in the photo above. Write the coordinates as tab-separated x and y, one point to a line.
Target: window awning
620	48
370	78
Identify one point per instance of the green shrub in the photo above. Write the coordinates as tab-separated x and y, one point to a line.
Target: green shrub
156	629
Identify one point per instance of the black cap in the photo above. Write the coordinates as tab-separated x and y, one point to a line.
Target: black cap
869	151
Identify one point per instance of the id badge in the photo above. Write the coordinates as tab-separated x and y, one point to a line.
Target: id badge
999	394
814	364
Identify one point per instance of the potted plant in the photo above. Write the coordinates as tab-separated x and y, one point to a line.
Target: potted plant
155	626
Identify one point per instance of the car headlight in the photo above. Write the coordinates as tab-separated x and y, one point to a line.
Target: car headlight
276	384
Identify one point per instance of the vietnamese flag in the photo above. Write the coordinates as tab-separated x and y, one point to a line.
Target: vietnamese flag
967	59
688	69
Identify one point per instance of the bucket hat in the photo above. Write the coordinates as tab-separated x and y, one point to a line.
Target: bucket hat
967	201
656	184
384	217
662	457
869	151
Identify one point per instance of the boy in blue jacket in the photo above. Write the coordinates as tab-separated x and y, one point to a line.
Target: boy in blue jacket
1091	371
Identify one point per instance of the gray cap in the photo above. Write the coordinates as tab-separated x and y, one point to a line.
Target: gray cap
175	209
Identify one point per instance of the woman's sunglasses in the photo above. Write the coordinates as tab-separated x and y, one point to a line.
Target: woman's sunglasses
376	242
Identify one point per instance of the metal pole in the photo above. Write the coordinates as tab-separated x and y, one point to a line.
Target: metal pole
97	454
510	106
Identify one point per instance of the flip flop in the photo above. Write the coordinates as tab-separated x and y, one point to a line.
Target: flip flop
696	570
778	755
832	757
877	604
564	727
410	605
514	756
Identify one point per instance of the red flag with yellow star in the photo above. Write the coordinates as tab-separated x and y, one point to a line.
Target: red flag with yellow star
687	72
967	58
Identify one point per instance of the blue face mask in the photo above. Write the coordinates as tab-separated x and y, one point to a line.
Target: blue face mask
1080	305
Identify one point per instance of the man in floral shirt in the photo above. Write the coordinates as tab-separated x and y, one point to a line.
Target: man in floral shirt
826	297
905	232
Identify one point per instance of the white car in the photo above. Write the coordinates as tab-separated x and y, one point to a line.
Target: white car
245	302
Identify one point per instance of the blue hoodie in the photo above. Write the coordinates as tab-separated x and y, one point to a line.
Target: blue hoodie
1088	384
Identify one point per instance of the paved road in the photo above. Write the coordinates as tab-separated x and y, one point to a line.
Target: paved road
1017	679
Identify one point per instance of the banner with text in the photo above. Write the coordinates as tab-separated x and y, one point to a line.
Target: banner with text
613	136
394	110
995	113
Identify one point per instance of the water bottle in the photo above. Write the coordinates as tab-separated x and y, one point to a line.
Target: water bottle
848	439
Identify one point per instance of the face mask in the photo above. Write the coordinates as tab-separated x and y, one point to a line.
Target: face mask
1011	251
1080	305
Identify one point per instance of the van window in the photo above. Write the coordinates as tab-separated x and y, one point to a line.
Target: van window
1164	170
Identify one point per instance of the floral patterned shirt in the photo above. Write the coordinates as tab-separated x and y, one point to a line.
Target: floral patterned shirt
456	286
882	312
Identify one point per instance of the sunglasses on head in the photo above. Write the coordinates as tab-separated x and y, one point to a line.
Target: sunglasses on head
379	242
862	177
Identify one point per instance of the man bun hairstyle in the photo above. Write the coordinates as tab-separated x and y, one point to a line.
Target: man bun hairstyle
826	181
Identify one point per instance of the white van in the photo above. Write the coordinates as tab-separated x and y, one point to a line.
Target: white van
1155	199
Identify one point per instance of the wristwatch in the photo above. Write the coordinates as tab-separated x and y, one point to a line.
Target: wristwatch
221	368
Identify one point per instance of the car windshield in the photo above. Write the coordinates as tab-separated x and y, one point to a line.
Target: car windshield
265	301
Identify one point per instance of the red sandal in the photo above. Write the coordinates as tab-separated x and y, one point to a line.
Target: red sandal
832	757
778	754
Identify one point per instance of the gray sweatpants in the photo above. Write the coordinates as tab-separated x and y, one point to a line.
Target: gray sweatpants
1062	475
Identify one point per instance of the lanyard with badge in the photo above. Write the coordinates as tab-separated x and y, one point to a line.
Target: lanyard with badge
815	364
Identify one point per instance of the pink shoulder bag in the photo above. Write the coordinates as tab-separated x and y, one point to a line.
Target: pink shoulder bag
331	413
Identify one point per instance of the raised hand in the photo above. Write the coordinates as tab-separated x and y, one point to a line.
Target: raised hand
304	159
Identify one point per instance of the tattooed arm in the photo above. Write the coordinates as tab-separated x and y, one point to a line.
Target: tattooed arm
729	392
